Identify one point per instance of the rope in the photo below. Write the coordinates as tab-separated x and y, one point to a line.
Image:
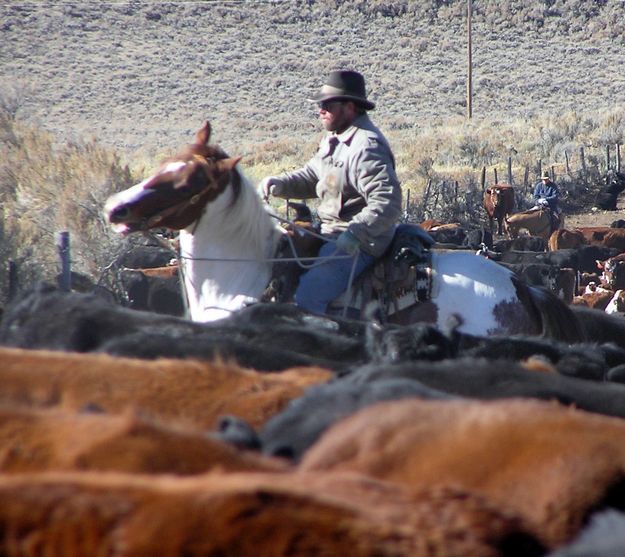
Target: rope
317	259
348	292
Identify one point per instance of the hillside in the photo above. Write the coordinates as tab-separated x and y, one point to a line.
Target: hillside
140	76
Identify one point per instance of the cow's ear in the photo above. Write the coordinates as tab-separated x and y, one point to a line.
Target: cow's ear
487	190
599	264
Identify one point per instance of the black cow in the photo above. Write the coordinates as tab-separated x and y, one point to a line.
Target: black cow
51	319
149	293
291	432
146	257
607	198
488	379
474	239
522	243
582	259
584	361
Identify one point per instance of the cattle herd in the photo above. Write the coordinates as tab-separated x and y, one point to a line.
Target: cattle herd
275	432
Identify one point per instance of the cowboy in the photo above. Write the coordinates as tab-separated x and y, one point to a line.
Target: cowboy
546	195
353	175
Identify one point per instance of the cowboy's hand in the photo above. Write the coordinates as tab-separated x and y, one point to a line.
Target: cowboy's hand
270	186
348	243
543	202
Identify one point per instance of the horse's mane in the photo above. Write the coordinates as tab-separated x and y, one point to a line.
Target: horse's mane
248	217
242	215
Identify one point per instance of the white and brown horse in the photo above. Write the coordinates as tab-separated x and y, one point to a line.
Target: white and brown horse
228	239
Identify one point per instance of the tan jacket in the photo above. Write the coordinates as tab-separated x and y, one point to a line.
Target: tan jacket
356	183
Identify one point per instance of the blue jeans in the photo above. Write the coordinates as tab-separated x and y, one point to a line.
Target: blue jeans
325	282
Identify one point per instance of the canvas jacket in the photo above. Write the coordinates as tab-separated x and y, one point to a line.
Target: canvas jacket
353	175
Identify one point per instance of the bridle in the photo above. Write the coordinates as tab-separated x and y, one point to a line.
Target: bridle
199	199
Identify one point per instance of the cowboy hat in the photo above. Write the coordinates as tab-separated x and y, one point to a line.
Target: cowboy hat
545	176
344	85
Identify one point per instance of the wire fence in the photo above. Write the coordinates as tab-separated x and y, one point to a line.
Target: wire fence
580	177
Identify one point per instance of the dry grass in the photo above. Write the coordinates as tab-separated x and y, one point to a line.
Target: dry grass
46	188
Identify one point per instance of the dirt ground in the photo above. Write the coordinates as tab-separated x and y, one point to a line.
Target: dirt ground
592	217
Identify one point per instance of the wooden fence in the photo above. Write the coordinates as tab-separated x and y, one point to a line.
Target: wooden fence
448	200
64	276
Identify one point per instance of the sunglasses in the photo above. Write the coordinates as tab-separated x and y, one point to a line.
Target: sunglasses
327	105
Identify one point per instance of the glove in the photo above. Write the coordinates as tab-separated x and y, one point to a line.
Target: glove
270	186
543	202
348	243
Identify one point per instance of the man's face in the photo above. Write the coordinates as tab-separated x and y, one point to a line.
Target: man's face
336	115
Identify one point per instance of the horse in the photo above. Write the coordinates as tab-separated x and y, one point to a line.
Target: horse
536	221
228	237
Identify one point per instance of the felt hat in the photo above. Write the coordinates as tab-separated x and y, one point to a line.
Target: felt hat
545	176
344	85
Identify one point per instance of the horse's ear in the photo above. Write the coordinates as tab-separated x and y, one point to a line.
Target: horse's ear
203	134
226	165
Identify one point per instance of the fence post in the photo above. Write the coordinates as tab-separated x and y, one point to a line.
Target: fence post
65	278
426	196
566	158
607	157
510	171
618	157
583	159
540	168
553	172
13	280
526	178
483	179
495	174
407	209
437	192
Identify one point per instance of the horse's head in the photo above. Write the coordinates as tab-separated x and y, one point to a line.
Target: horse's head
176	194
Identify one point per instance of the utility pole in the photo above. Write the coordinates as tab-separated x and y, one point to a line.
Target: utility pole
469	64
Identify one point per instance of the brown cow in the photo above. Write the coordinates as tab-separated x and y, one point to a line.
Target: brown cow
604	236
52	439
553	465
250	515
499	203
184	390
598	300
566	239
435	225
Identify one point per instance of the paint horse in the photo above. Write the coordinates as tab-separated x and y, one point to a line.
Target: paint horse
228	239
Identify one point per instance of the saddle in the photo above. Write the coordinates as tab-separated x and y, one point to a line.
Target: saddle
401	277
406	268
